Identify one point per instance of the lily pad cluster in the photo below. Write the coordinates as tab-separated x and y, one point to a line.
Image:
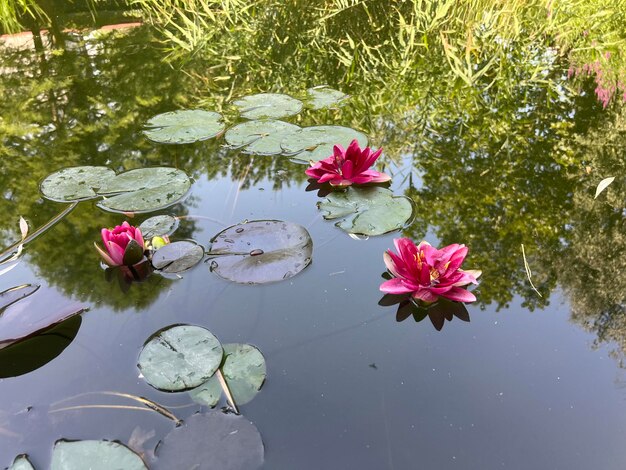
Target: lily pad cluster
263	133
190	358
140	190
254	252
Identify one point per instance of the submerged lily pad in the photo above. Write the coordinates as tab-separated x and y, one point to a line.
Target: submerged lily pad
158	226
211	441
184	127
21	462
260	137
26	318
94	455
14	294
178	256
244	371
261	251
180	357
37	350
268	106
144	189
324	97
316	143
367	211
75	183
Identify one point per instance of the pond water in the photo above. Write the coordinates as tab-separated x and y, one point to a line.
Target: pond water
534	380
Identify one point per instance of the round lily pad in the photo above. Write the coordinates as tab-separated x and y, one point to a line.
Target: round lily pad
324	97
177	256
268	106
243	369
316	143
158	226
76	183
184	127
180	357
21	462
94	455
260	137
214	440
144	190
367	211
260	251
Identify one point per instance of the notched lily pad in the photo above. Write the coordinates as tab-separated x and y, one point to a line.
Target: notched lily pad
94	455
260	137
214	440
316	143
324	97
21	462
158	226
180	357
178	256
184	126
76	183
144	190
243	369
260	251
367	211
268	106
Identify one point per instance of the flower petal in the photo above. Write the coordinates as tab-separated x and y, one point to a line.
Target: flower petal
425	295
395	286
459	294
116	252
107	259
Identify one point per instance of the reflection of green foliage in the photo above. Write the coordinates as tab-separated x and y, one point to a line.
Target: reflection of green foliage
591	266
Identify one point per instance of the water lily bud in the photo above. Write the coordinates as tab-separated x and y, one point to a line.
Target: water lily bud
124	244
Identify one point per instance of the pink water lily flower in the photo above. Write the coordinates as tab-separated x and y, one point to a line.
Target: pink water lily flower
124	244
428	273
346	167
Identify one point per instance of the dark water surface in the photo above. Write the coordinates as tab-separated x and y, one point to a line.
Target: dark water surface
530	383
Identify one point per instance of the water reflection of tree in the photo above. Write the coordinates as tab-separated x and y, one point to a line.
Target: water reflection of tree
592	266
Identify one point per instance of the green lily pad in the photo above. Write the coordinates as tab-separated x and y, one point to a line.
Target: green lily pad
76	183
243	369
21	462
184	126
94	455
178	256
316	143
260	251
260	137
158	226
214	440
180	357
268	106
144	190
367	211
324	97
